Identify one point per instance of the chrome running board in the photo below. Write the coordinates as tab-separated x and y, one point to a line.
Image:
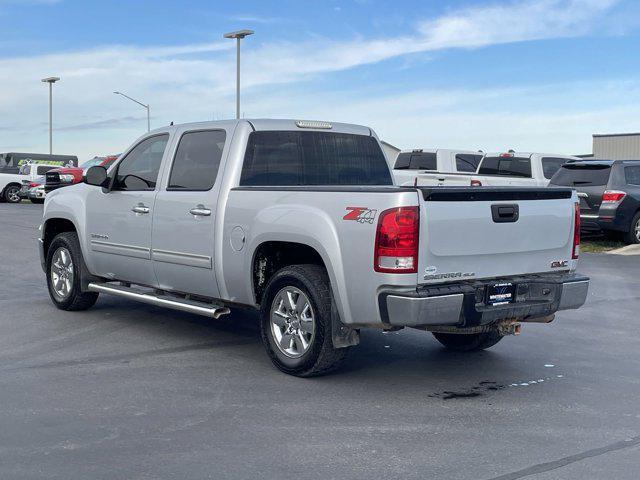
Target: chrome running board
162	300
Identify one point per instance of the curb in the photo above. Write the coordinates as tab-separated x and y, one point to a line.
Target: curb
626	250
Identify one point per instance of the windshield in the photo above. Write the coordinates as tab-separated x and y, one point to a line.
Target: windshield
92	163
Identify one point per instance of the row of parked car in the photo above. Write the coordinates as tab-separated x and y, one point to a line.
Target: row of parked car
609	191
34	178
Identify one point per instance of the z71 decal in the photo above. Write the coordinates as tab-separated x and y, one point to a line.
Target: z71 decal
360	214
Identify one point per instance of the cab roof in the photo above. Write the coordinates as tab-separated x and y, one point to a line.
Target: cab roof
264	124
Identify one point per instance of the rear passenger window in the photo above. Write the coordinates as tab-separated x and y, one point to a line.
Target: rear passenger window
507	166
281	158
195	166
632	175
550	165
466	162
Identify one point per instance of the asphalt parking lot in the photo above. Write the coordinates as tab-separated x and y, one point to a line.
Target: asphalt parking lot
130	391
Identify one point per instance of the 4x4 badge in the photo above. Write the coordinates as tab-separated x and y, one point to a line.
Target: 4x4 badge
360	214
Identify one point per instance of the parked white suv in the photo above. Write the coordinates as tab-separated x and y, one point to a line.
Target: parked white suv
11	183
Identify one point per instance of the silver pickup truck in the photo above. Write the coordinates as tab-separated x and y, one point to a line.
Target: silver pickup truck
302	221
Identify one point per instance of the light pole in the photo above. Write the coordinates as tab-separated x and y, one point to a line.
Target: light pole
50	81
141	104
239	35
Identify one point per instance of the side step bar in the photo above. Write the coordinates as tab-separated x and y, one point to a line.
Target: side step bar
199	308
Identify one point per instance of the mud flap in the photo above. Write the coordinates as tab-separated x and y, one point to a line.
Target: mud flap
342	335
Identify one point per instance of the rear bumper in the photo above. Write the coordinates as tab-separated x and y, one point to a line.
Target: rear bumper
463	304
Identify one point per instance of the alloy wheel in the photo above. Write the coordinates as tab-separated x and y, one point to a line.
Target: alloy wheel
13	194
292	322
62	273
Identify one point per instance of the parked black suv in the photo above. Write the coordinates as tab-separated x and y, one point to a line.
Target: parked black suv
609	192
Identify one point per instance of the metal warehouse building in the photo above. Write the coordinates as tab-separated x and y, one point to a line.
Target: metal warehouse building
616	146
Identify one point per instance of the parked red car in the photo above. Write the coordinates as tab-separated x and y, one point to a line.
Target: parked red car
64	176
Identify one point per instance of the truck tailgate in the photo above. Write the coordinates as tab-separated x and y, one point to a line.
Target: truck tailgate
443	179
476	233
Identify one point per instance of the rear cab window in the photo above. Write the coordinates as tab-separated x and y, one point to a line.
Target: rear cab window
506	166
416	161
290	158
466	162
575	175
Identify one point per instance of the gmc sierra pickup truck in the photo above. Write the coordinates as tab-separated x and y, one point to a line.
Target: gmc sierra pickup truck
301	220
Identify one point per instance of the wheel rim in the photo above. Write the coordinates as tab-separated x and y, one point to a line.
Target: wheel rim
62	273
637	231
292	322
12	194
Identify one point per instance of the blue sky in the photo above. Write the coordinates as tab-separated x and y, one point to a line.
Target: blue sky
531	75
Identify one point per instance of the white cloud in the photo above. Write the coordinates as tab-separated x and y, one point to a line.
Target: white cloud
196	82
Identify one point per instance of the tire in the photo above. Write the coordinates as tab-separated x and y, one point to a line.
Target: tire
633	235
308	285
462	342
11	194
63	267
37	200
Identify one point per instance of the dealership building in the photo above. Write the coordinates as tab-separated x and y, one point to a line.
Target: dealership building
616	146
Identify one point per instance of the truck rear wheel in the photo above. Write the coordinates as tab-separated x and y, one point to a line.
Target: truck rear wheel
463	342
296	322
63	267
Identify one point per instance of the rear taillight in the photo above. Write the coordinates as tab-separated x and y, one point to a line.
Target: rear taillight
476	183
34	184
576	231
613	196
397	236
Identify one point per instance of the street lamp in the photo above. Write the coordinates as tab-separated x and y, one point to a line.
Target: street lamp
139	103
50	81
239	35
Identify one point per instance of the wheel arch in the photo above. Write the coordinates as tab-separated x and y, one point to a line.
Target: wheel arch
53	227
272	255
10	184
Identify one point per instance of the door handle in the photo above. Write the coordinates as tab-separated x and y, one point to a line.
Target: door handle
140	208
200	211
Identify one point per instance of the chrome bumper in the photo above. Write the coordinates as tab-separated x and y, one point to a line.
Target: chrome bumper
463	304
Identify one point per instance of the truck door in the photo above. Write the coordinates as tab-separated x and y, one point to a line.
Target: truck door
119	220
184	215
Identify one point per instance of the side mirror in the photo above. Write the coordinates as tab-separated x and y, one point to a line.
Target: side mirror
97	176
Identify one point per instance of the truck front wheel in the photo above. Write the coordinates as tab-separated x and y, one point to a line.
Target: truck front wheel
463	342
64	263
12	194
296	322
